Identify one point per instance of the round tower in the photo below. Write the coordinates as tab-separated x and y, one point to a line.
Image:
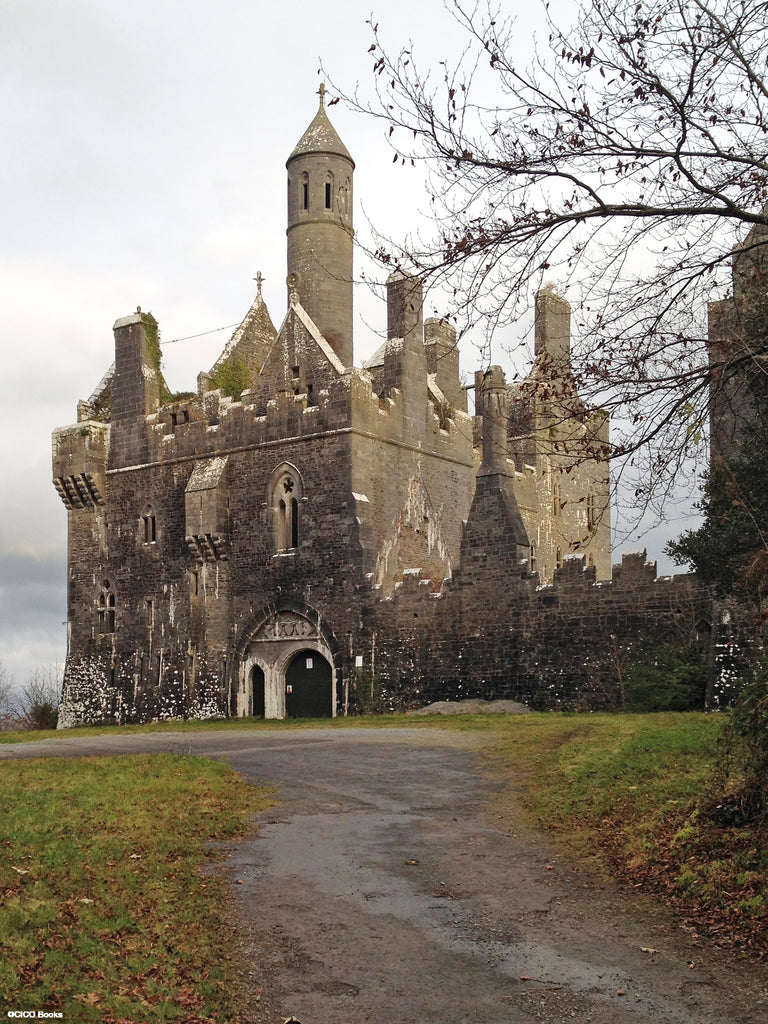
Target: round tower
320	233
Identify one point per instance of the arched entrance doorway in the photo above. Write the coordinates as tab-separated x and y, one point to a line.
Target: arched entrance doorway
258	700
287	667
308	686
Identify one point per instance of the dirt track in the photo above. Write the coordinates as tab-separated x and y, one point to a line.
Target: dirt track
394	884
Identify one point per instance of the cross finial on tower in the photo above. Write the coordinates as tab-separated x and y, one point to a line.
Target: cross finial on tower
321	94
259	279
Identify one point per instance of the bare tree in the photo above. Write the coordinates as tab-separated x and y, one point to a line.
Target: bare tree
37	704
625	161
6	698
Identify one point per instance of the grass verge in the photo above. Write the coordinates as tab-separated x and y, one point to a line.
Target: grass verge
636	794
105	912
226	725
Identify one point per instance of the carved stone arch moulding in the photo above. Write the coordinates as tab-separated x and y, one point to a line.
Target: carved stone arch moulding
287	626
285	474
287	621
270	640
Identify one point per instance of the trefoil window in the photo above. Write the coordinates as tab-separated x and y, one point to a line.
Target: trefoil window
286	496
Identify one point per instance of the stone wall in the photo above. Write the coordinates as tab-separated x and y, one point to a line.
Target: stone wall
563	646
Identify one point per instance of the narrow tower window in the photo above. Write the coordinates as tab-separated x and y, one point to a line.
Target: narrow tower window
328	190
591	512
149	526
106	608
557	507
305	191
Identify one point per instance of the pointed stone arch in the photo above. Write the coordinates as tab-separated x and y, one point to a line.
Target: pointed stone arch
270	642
285	499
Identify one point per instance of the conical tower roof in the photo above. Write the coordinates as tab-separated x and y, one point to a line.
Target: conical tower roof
321	136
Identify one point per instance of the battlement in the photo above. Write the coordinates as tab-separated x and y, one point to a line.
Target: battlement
213	423
446	432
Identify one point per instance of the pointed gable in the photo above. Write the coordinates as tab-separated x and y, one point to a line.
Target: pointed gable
300	360
238	366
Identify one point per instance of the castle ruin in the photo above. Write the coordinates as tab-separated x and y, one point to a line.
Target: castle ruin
307	537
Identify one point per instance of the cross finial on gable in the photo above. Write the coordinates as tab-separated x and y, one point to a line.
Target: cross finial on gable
321	94
259	279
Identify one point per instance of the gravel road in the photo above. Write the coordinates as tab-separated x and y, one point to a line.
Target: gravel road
394	883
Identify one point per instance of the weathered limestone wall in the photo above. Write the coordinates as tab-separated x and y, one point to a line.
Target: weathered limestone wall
413	493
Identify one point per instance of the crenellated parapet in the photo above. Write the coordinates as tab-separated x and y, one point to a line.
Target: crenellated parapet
564	645
447	431
214	423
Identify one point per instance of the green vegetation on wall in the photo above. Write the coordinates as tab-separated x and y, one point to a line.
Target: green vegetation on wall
746	755
231	378
152	335
729	550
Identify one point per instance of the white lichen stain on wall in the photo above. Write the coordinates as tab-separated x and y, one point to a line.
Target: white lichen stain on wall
418	515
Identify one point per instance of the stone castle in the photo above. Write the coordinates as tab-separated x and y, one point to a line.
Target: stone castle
307	537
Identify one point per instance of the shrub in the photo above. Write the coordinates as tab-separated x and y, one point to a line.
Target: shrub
669	679
745	740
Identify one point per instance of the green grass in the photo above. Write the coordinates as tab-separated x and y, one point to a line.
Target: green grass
105	912
637	795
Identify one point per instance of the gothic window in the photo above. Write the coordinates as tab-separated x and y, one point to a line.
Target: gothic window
328	194
149	526
532	560
703	630
305	191
286	493
106	608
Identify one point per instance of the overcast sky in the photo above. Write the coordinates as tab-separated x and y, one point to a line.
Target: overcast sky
144	150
